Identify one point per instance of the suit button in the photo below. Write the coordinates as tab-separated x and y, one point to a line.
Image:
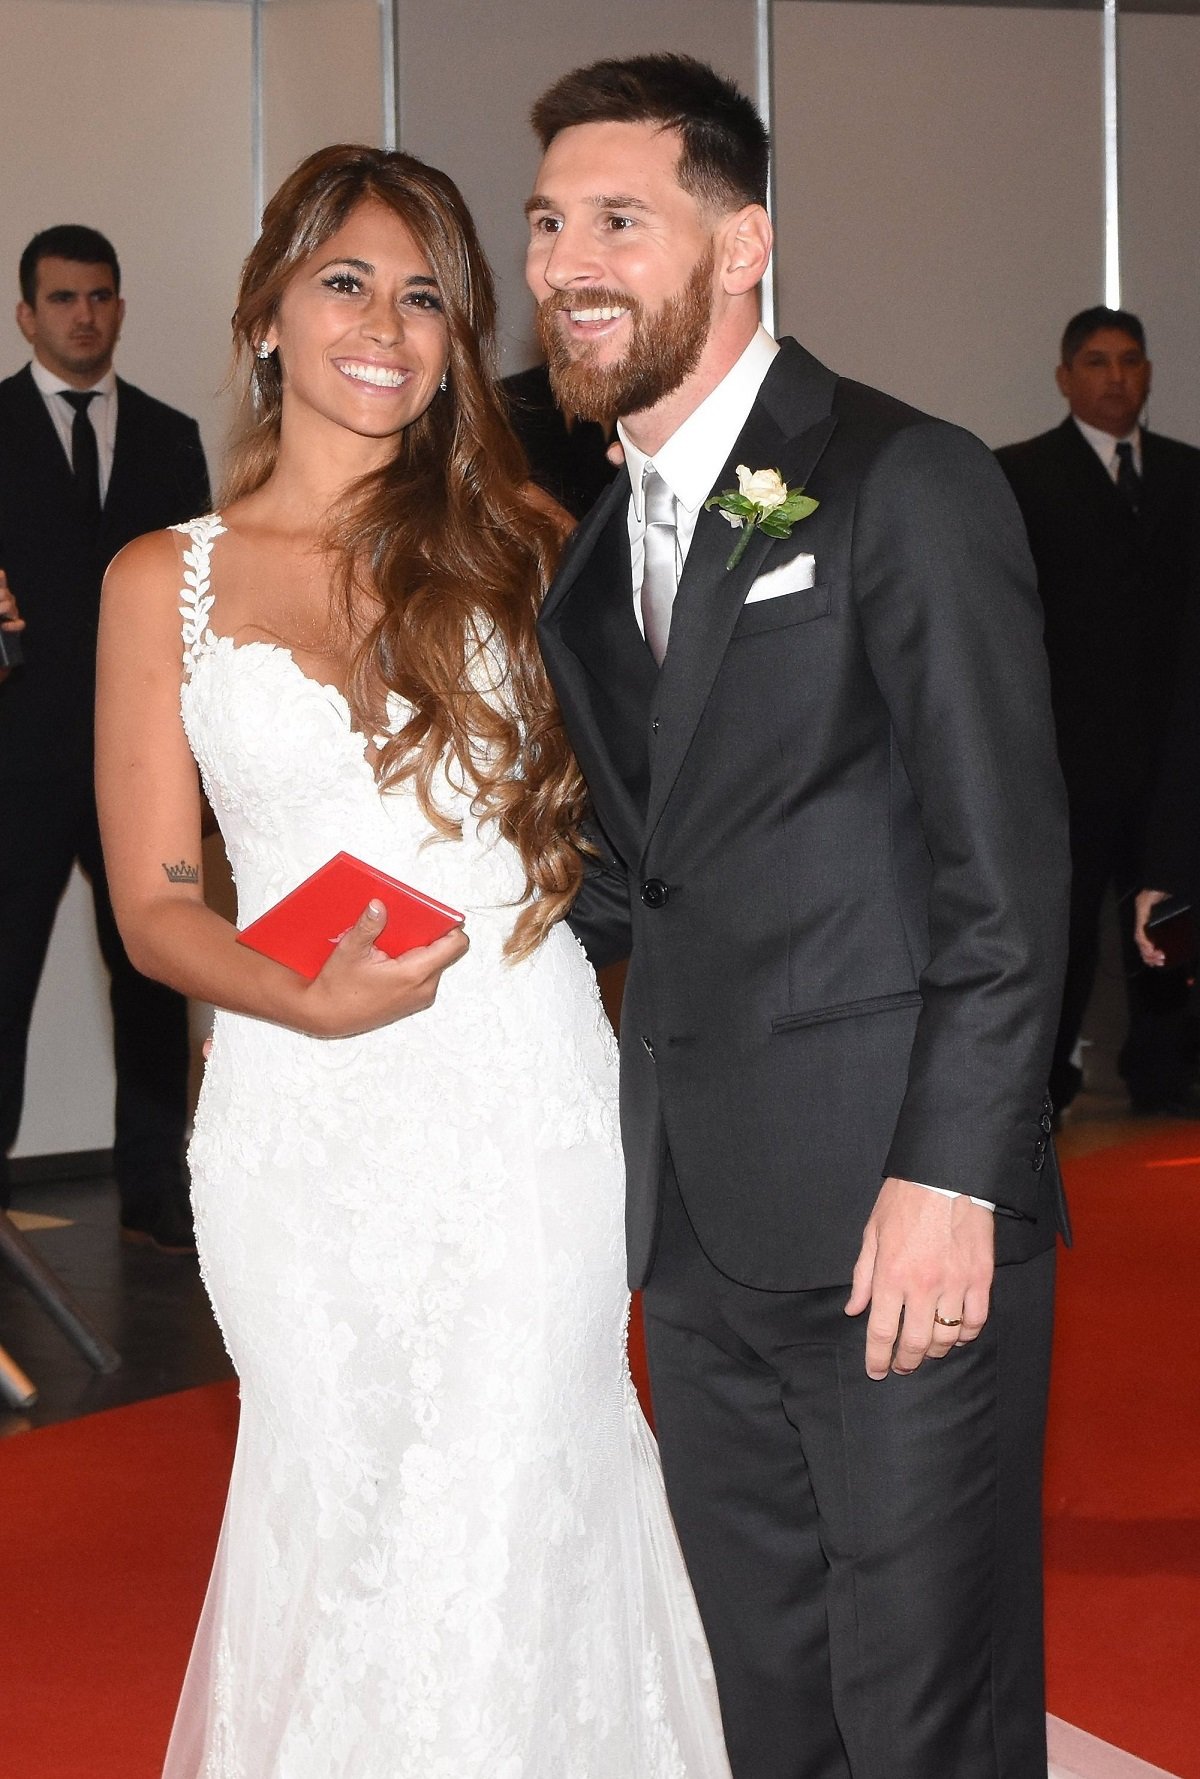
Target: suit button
654	726
1039	1160
1047	1123
648	1047
654	892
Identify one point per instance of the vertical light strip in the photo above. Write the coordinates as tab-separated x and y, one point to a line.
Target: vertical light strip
258	167
387	57
1112	161
764	70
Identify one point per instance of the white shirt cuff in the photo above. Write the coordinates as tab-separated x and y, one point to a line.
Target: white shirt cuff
945	1192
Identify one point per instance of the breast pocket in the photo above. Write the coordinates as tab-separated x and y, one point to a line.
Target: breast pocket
777	614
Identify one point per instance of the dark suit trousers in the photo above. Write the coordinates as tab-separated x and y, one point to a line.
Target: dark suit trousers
47	825
866	1555
1154	1060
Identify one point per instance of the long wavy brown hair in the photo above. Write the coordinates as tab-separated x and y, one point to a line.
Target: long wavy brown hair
443	547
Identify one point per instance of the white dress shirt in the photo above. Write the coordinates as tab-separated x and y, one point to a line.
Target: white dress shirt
1105	445
689	463
694	455
102	413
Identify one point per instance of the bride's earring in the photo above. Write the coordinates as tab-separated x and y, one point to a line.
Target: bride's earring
443	385
264	351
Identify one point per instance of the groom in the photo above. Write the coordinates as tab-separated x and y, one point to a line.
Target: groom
835	854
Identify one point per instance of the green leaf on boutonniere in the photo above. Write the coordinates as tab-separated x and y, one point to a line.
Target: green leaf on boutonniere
762	501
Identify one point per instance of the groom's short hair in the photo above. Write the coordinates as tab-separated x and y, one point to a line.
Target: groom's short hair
724	152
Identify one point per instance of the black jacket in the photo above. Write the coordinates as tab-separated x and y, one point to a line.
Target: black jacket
55	562
1114	587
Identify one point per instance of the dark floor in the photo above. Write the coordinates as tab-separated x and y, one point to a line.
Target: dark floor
151	1306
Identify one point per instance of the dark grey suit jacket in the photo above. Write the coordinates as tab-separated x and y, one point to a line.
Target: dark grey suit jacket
837	843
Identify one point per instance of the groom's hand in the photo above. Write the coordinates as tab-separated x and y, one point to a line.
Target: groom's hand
922	1256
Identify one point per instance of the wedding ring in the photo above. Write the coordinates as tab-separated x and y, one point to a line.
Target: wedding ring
947	1321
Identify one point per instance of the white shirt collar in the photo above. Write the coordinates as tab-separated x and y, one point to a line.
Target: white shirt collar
49	384
693	456
1104	444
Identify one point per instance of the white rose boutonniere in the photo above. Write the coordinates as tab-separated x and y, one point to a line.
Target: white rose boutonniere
762	501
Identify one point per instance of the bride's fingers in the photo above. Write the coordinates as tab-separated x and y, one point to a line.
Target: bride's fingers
361	937
360	987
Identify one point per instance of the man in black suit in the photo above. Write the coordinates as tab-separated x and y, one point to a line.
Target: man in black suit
822	764
1171	856
1111	509
87	462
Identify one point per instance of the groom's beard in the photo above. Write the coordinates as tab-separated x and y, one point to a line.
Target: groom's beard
663	349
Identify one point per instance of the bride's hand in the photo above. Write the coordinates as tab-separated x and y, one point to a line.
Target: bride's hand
361	988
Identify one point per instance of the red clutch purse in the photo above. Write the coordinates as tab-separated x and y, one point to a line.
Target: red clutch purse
302	929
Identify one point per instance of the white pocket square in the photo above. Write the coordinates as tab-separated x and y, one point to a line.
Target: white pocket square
791	576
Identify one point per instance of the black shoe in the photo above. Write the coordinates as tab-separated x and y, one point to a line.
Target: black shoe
1183	1104
170	1231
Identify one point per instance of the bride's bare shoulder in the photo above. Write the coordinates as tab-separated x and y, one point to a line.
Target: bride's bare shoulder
142	565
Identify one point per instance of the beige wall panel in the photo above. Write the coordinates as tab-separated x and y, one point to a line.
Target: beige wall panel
69	1081
322	79
469	75
939	187
1160	207
134	116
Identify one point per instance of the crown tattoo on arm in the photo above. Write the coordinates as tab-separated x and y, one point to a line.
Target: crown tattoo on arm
182	873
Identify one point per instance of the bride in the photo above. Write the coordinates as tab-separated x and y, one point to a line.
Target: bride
446	1552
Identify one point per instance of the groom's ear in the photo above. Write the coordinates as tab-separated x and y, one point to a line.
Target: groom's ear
744	249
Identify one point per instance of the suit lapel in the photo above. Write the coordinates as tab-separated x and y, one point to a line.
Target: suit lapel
1159	479
1094	482
579	548
594	577
124	469
33	423
711	596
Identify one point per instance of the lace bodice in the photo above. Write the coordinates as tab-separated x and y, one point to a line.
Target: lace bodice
287	774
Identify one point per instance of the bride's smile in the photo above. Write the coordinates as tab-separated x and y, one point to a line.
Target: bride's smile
361	332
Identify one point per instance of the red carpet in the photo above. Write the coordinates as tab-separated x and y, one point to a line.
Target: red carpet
1123	1471
110	1525
111	1521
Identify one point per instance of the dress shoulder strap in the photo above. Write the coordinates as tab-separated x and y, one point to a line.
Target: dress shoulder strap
195	598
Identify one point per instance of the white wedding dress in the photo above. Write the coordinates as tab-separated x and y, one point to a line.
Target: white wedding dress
446	1551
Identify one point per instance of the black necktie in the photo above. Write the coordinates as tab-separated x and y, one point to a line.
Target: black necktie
1129	483
85	454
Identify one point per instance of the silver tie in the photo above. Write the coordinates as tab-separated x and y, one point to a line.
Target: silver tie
659	577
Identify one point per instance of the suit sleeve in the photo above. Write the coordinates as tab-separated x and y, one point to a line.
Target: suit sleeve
1172	849
952	628
599	916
